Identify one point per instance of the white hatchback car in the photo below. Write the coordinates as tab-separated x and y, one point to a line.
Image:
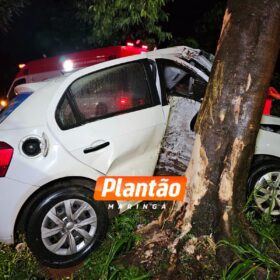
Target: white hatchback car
58	136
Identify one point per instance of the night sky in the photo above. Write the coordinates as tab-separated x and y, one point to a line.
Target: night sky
41	30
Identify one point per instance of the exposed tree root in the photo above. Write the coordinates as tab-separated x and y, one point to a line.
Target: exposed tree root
186	257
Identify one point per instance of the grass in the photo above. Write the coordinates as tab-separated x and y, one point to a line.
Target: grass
101	265
252	260
18	264
104	263
120	239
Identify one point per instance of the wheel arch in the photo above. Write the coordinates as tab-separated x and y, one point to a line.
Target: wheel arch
29	203
261	165
259	159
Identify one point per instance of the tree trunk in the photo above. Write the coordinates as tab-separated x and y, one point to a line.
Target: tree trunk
226	128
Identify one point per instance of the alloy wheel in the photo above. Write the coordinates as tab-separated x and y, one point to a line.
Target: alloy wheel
267	193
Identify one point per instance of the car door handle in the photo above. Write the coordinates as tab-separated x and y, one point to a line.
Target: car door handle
96	148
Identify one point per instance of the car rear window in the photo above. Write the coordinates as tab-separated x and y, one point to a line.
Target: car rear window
13	104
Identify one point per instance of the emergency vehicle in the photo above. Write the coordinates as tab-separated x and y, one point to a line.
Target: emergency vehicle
45	68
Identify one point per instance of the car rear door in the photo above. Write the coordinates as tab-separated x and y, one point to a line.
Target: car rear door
112	119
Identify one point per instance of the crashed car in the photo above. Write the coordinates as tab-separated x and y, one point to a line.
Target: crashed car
58	136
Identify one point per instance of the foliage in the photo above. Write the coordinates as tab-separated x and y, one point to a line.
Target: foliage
105	263
251	259
112	22
20	264
8	9
119	241
17	264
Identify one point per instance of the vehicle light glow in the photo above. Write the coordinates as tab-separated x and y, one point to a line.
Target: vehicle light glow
68	65
3	103
6	154
124	103
21	66
145	47
124	100
129	44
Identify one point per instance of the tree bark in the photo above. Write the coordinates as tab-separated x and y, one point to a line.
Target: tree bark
226	132
245	58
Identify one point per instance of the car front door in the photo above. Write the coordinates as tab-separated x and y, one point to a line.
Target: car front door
112	119
182	87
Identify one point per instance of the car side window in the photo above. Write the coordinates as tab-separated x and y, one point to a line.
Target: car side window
176	80
64	114
112	91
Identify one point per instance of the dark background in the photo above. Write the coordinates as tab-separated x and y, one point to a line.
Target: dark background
50	27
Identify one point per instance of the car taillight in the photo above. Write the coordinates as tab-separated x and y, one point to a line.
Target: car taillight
6	154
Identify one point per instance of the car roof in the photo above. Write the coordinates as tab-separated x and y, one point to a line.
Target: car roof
175	52
50	91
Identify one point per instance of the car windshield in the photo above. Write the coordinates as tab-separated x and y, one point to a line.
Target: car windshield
13	104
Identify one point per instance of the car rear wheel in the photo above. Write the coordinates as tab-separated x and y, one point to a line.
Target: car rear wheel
264	186
65	225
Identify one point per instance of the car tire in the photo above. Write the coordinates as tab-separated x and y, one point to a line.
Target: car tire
264	187
65	225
